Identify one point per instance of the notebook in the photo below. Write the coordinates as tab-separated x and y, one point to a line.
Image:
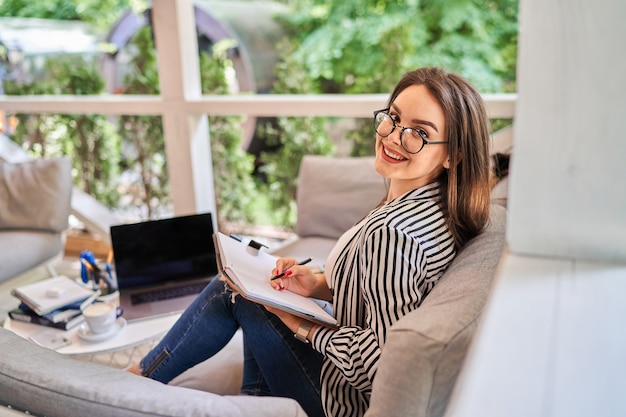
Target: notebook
162	265
248	270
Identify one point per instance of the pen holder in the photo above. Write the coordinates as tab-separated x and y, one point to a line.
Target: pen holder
100	276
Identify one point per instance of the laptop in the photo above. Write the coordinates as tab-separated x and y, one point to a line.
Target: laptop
162	265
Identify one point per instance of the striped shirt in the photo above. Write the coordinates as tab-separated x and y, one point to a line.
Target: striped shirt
379	271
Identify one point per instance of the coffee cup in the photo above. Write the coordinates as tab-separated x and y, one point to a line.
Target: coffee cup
101	317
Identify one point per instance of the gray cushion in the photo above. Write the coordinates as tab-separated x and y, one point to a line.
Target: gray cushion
334	193
221	374
25	249
44	382
425	349
500	192
35	194
35	201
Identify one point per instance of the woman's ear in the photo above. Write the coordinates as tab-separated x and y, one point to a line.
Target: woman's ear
446	163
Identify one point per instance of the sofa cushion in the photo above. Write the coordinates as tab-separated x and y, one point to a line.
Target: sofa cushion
335	193
221	374
22	250
500	192
44	382
35	194
432	341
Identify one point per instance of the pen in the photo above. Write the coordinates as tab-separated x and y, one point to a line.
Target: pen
303	262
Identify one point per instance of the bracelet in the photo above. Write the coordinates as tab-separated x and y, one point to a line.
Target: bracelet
303	331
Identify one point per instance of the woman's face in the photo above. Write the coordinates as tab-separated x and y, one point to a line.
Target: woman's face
416	108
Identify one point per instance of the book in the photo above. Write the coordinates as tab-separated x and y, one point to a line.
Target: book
248	271
52	294
59	315
25	314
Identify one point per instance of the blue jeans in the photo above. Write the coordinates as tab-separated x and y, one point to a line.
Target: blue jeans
275	363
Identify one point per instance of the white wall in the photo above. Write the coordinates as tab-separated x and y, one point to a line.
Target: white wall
568	180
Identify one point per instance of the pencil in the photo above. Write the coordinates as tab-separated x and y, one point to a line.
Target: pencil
303	262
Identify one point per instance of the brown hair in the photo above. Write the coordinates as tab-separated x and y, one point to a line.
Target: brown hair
465	191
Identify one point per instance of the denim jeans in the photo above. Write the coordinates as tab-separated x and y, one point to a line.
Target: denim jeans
275	363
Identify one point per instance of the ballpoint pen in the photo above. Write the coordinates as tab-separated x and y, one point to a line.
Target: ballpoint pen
303	262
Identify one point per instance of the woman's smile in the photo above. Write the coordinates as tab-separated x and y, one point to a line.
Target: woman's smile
392	156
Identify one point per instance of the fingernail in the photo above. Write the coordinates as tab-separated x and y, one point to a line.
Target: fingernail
282	287
288	273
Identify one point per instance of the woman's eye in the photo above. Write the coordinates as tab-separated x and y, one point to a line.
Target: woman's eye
421	133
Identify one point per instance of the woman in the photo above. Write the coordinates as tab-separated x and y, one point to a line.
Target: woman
432	145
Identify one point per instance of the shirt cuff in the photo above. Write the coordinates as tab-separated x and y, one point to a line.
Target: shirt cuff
321	338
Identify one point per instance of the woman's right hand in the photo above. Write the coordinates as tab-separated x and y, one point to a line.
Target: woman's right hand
298	279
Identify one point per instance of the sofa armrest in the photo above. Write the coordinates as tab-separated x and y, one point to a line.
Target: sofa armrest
44	382
424	350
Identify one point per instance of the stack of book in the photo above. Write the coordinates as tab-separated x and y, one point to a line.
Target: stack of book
55	302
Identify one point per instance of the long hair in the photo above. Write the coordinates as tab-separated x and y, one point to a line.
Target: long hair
465	191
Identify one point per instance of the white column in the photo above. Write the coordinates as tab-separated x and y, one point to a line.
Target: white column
568	192
186	135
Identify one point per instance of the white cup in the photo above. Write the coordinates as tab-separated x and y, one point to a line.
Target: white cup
101	317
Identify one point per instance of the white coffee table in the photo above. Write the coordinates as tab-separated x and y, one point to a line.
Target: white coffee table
136	337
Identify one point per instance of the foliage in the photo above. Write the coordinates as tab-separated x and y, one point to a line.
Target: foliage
147	186
89	140
235	189
100	13
289	141
360	46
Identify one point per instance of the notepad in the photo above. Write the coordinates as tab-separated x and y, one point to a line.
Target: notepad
248	271
51	294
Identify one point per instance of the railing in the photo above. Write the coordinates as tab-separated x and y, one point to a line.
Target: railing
499	106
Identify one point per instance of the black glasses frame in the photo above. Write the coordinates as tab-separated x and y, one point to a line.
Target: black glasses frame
419	132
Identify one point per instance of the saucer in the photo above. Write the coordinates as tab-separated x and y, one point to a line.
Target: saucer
86	334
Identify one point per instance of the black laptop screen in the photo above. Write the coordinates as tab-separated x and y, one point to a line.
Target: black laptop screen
161	251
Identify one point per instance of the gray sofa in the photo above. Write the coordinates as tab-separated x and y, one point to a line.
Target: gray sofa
420	361
34	209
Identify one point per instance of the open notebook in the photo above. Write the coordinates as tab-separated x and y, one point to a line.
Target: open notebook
248	270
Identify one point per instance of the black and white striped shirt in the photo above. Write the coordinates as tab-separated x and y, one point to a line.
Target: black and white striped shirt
379	271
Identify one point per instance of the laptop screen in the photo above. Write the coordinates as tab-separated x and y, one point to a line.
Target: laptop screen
163	251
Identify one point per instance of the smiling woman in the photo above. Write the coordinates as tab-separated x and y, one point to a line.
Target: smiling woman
438	108
380	270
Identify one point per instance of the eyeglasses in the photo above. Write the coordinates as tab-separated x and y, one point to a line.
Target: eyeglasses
385	125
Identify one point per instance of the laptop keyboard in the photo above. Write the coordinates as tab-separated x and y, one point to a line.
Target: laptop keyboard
167	293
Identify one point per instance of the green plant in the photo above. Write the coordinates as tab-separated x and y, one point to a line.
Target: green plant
289	140
89	140
360	46
147	186
235	189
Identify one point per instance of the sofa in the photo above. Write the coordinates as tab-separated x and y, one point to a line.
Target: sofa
34	209
419	364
